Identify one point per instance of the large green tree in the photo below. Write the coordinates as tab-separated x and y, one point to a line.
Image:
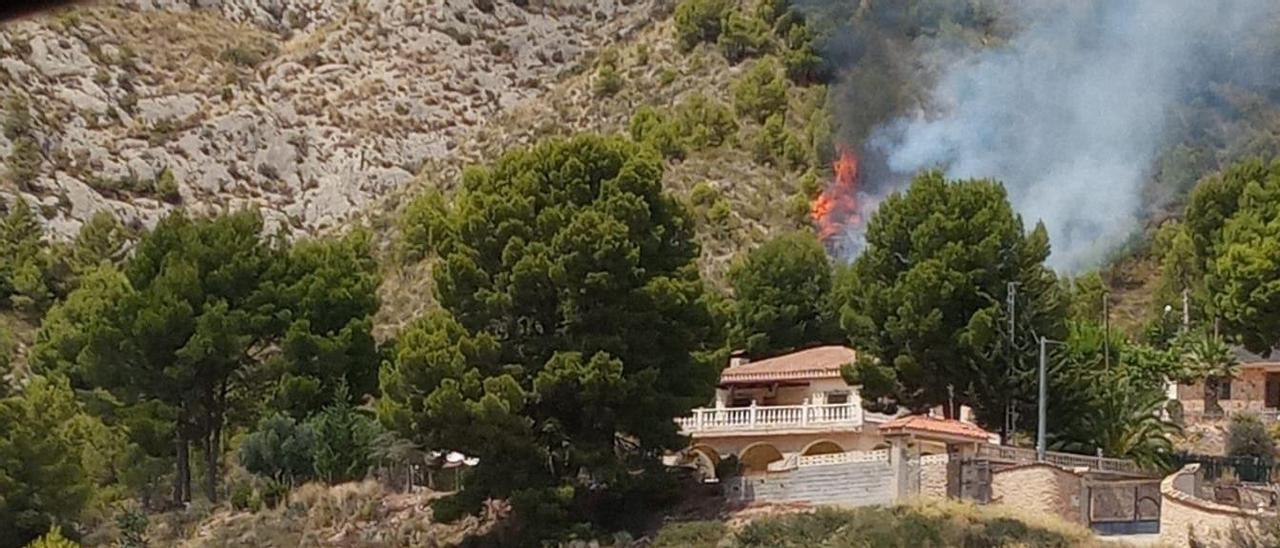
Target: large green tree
206	320
782	294
929	296
573	323
43	481
1234	224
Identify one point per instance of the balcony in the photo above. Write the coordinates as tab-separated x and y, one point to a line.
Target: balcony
774	417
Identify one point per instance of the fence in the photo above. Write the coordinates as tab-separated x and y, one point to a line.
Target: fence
1249	469
1067	460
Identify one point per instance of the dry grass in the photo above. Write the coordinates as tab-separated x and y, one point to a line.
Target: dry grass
916	523
353	514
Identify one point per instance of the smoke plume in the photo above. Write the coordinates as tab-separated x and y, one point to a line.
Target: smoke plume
1072	111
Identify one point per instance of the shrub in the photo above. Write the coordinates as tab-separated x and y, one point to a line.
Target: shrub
761	92
166	187
742	36
241	496
699	21
802	61
667	76
656	129
777	146
53	539
691	534
131	521
608	80
344	440
24	161
280	449
243	56
703	195
705	121
1248	437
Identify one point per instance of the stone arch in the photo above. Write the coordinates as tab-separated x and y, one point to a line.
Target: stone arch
821	447
705	460
755	458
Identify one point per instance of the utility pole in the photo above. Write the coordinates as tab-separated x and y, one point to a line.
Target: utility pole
1012	302
1106	330
1041	446
1186	309
1040	427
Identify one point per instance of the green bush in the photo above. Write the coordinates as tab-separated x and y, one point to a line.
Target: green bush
280	449
24	161
691	534
742	36
705	122
608	80
53	539
654	128
242	496
667	76
761	92
131	521
776	146
925	524
802	61
703	195
1248	437
166	187
699	21
344	440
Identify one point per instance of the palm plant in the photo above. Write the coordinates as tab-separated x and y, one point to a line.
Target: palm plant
1206	356
1126	421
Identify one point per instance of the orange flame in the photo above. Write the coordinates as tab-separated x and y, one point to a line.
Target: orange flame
837	207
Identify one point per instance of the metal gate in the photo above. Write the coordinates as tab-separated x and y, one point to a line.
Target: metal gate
1124	507
975	480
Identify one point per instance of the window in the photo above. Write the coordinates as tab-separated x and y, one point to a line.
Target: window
837	397
1224	389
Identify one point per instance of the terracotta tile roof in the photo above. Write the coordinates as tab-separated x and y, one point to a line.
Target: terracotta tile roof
933	425
823	362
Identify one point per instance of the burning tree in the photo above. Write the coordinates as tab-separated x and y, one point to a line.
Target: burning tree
835	212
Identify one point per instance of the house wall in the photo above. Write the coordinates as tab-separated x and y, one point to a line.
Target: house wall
814	392
1040	488
1248	393
845	484
1184	514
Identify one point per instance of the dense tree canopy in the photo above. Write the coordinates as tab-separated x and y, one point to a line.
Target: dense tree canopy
43	481
782	296
205	319
1234	225
928	298
573	321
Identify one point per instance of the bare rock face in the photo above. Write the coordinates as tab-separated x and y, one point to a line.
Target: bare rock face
311	110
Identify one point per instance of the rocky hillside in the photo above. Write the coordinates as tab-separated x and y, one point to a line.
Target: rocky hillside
325	112
313	110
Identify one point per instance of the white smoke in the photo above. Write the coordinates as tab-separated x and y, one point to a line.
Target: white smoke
1071	113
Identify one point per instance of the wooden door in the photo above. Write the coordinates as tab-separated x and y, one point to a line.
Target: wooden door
1273	390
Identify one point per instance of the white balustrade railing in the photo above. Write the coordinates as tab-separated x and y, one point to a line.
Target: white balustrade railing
770	417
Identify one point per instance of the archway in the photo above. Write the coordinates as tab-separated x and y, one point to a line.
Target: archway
755	458
705	460
822	447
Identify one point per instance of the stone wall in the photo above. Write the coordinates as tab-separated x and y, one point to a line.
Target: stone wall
845	484
1040	487
1185	515
933	476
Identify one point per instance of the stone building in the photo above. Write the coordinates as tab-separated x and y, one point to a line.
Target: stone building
1255	389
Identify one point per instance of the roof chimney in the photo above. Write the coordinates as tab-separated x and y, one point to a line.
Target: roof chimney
738	357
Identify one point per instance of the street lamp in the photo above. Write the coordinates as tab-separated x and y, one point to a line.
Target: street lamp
1044	384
